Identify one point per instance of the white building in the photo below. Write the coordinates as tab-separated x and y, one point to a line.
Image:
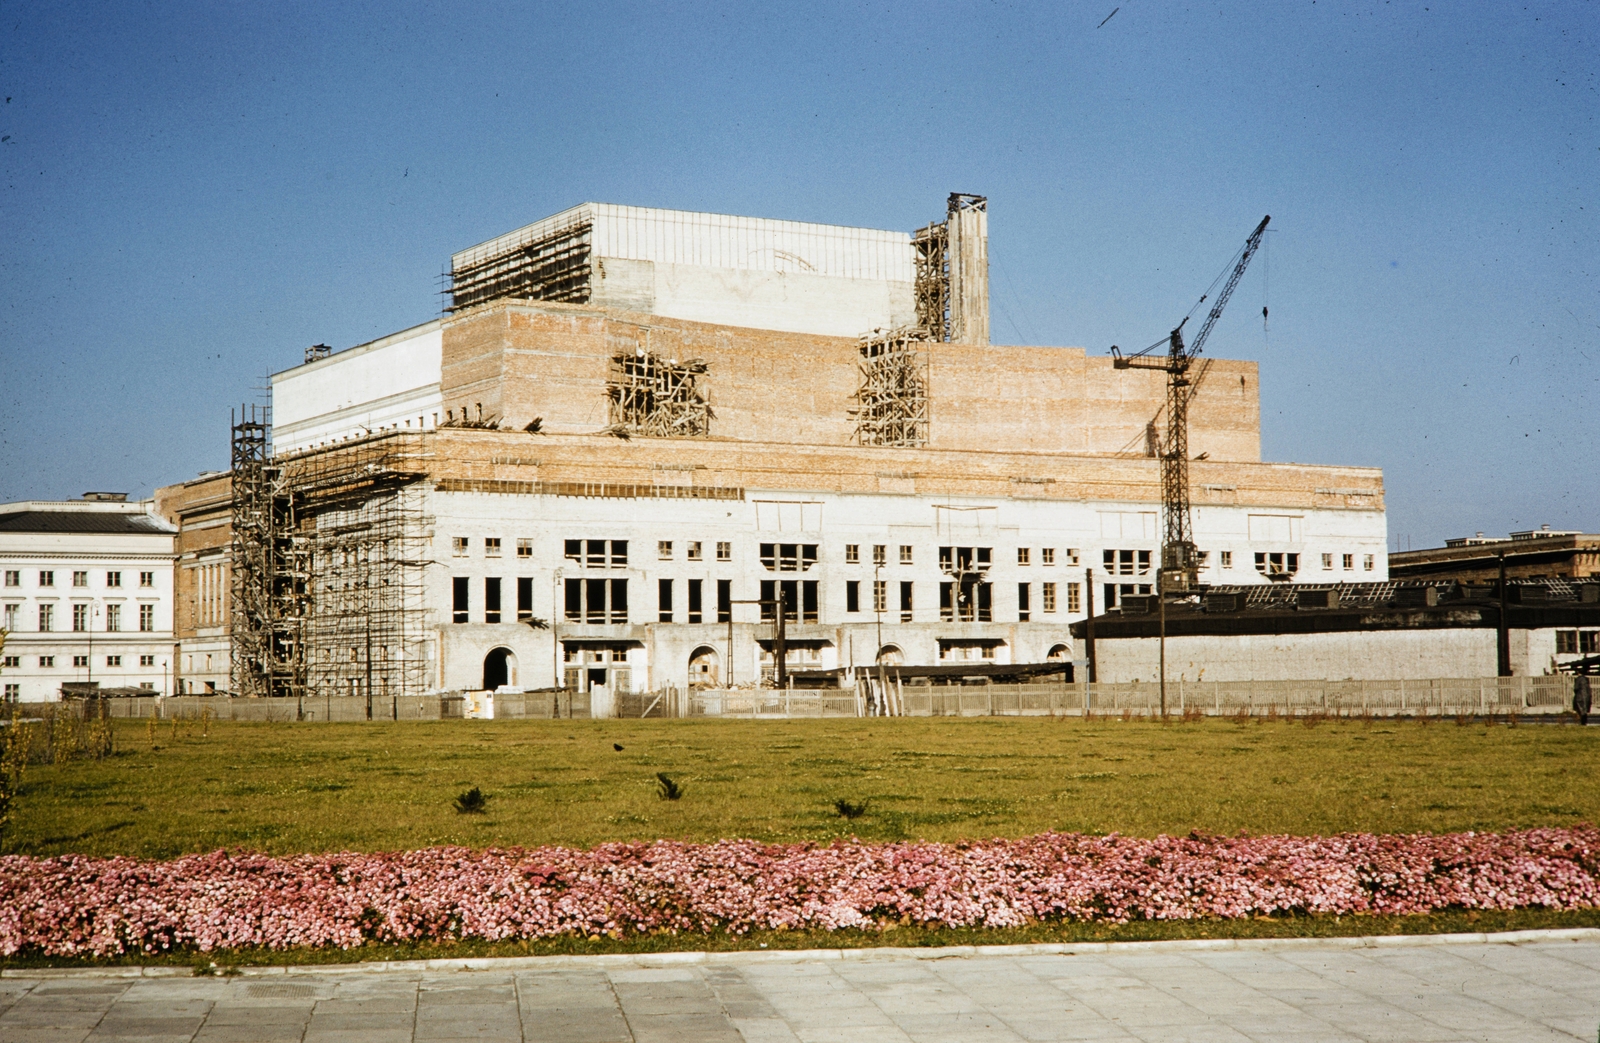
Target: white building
634	424
86	596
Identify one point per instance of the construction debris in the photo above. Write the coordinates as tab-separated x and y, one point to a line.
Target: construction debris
892	398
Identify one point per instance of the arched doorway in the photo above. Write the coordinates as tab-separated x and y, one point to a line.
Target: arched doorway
1058	652
704	666
499	668
891	655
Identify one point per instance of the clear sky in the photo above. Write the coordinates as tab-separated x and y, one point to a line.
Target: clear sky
194	193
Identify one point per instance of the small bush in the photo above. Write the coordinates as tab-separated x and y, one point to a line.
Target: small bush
849	810
666	788
472	802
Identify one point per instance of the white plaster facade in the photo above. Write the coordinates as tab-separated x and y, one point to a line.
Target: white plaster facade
85	596
793	276
532	531
389	383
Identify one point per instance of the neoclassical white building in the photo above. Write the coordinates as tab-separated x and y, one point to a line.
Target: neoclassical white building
85	596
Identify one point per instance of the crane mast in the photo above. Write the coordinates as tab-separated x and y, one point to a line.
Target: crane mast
1180	560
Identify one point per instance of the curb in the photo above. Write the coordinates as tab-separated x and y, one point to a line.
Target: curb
881	954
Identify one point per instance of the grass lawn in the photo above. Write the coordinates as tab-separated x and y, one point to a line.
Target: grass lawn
319	787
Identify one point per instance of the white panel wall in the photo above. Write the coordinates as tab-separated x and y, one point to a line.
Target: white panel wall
393	382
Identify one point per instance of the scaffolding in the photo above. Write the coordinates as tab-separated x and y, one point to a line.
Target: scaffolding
266	586
554	267
952	272
658	397
892	396
334	545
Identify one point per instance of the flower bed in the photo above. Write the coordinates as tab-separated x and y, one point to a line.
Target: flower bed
76	906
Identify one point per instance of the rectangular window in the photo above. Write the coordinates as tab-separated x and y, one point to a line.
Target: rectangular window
47	618
664	550
148	686
852	595
1327	562
11	616
880	554
694	551
113	618
1024	610
788	557
459	546
147	618
808	601
147	660
985	599
113	660
724	600
1074	598
1226	558
491	546
1277	563
905	553
524	548
572	550
852	556
724	550
458	599
595	554
13	693
80	660
905	602
1049	596
47	578
947	602
147	579
524	599
12	662
47	661
695	586
1023	554
80	618
1366	563
663	601
1589	641
1566	642
13	577
597	600
1349	562
491	600
880	595
80	579
113	579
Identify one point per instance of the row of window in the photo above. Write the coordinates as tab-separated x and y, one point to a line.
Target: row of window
81	614
800	557
14	662
47	578
1577	642
606	600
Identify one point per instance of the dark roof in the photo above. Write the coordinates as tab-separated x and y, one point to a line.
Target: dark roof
81	521
1294	608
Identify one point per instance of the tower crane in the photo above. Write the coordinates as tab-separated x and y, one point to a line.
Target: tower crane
1179	558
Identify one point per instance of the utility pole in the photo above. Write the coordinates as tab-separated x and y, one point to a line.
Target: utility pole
783	674
1088	623
1502	644
1161	603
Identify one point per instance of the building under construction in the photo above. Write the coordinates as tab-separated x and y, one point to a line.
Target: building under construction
634	434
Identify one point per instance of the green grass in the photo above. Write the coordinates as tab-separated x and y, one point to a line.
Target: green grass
320	787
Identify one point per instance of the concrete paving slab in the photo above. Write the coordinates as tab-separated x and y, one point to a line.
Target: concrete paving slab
1376	991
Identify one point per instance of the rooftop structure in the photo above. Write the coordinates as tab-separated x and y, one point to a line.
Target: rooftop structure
1532	554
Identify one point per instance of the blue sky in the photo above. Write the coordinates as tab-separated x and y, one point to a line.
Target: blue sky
194	193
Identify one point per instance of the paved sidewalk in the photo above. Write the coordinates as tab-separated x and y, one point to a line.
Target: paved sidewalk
1519	993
